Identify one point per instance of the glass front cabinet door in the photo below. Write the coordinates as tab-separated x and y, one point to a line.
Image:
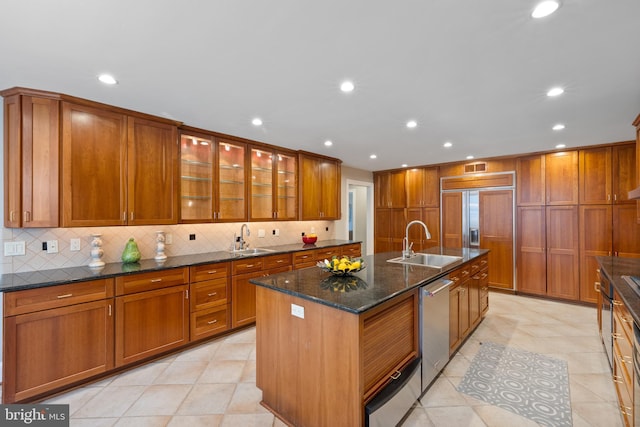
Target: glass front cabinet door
212	179
273	185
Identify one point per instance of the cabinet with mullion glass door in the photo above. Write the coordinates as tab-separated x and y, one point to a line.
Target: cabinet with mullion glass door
273	185
196	177
232	204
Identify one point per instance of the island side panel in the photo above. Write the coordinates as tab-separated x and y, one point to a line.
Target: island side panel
308	369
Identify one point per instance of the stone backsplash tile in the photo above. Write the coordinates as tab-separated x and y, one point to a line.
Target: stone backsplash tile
209	238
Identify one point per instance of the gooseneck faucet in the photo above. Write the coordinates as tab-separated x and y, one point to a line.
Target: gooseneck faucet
242	242
406	246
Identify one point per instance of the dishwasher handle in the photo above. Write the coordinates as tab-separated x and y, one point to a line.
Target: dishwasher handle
445	285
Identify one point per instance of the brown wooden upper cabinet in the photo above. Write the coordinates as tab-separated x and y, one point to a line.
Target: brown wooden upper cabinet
117	169
319	194
607	174
561	178
31	156
273	184
422	188
390	189
530	180
212	178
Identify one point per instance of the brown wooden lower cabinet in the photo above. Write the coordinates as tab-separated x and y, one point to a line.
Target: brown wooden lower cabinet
46	349
623	369
152	322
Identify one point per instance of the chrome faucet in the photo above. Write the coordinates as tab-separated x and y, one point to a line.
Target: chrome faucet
407	252
243	244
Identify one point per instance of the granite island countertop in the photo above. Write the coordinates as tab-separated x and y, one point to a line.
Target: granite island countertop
380	281
616	267
38	279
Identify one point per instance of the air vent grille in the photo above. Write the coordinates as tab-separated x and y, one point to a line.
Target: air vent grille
475	167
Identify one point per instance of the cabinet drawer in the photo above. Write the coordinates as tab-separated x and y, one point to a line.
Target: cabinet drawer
326	253
352	250
31	300
304	259
247	265
275	261
209	294
622	316
200	273
153	280
209	322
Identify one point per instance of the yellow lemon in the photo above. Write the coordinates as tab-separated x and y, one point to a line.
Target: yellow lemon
342	266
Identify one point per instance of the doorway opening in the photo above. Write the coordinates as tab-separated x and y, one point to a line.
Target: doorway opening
360	214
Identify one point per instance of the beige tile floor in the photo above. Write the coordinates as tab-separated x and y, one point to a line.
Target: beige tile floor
214	384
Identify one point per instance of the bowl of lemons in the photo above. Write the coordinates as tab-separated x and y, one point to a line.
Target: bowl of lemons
342	266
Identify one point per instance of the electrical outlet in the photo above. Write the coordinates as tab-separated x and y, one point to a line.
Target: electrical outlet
74	245
14	248
276	232
168	239
297	310
52	246
192	237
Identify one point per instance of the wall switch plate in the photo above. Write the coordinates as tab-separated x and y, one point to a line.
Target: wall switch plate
168	239
261	232
14	248
74	245
52	246
276	232
297	310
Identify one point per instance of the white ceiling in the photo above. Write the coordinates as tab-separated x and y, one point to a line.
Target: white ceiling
471	72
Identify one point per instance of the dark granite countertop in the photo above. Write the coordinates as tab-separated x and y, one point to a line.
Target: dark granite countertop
38	279
378	282
614	268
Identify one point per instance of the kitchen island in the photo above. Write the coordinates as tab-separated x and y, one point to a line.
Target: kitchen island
326	345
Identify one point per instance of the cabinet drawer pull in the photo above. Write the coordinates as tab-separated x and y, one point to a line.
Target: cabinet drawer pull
627	359
280	261
212	294
155	280
109	310
396	375
211	322
27	216
616	302
617	379
250	265
596	286
626	410
65	296
626	320
212	272
484	261
484	275
617	336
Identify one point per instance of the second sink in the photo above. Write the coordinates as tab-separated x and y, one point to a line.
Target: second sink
427	260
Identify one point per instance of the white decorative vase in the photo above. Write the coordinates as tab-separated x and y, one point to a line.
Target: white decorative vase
96	252
160	239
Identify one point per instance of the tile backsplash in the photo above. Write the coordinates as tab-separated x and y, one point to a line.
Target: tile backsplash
208	238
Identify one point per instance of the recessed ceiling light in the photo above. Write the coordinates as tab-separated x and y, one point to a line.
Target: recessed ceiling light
555	91
411	124
107	79
328	143
373	156
404	165
347	86
447	145
256	121
561	145
559	126
469	157
545	8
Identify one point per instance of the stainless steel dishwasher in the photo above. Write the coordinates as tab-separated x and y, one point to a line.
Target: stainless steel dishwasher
434	329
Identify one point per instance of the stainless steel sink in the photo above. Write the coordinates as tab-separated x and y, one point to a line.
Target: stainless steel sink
251	252
427	260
